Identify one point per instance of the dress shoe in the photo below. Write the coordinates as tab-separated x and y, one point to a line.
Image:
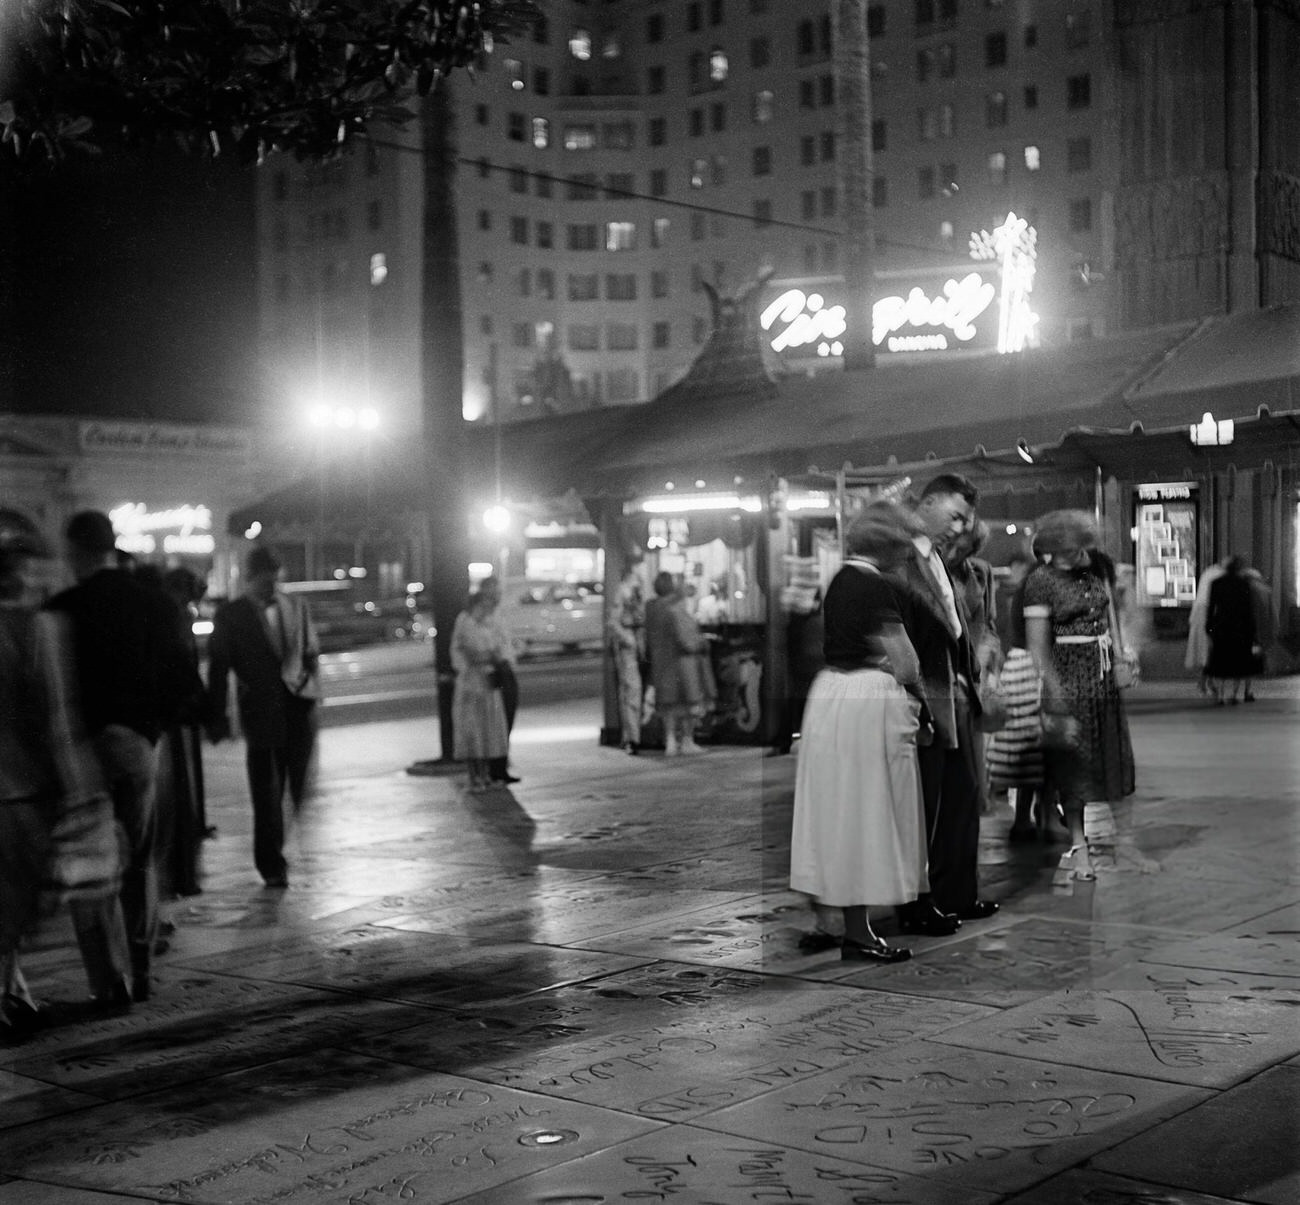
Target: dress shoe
816	941
507	779
856	951
979	910
928	921
114	1002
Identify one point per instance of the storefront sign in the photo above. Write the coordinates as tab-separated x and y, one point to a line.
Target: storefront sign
805	323
1165	530
182	531
164	439
1013	246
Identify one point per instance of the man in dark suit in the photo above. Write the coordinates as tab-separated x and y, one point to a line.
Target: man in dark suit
949	778
131	675
266	638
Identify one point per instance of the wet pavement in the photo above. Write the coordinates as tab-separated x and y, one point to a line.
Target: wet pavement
587	989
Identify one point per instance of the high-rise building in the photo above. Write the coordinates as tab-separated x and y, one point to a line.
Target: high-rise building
622	159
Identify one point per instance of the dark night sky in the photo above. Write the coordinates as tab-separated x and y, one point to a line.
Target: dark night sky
135	290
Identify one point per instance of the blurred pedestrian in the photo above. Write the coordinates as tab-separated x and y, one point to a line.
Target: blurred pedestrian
48	771
1069	628
676	647
129	664
1231	622
940	633
1015	754
973	575
1198	640
490	589
478	710
625	639
858	837
181	811
267	639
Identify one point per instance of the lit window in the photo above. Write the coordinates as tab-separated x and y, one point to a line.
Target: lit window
718	168
659	232
580	44
620	236
579	138
764	104
717	65
698	168
997	168
612	49
515	73
541	133
1032	160
945	232
378	268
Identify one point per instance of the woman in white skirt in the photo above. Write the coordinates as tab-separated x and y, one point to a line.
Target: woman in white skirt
859	825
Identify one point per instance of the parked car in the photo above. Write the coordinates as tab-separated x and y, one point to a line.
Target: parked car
544	616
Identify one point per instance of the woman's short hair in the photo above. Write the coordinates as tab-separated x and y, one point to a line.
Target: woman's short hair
1064	531
879	529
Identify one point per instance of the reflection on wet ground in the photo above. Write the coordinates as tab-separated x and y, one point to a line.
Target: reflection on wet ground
589	990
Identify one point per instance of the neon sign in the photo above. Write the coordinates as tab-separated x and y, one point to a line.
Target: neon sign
917	322
185	530
955	309
1014	246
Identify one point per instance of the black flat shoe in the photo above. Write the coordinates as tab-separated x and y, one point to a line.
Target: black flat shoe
856	951
979	910
929	923
507	780
816	941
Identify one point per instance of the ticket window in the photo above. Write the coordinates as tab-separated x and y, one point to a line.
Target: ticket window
1166	537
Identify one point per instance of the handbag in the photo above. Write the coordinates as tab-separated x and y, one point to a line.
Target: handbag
1061	731
993	716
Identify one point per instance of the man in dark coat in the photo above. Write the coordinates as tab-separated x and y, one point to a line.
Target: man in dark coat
131	670
266	638
949	777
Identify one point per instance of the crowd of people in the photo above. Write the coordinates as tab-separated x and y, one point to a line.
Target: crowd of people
896	760
102	708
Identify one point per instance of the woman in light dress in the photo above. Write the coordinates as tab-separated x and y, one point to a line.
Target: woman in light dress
859	823
477	710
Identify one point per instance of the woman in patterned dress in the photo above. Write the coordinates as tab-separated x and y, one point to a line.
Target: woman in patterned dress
1068	629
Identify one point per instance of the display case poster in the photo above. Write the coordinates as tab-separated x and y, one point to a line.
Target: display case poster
1165	533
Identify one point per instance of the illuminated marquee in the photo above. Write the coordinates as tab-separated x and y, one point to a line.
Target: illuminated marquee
185	530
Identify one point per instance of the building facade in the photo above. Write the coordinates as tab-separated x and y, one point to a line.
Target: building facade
619	161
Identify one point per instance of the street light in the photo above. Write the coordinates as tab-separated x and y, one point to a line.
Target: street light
497	519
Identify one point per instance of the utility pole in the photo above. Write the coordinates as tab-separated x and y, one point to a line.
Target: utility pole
853	103
442	372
